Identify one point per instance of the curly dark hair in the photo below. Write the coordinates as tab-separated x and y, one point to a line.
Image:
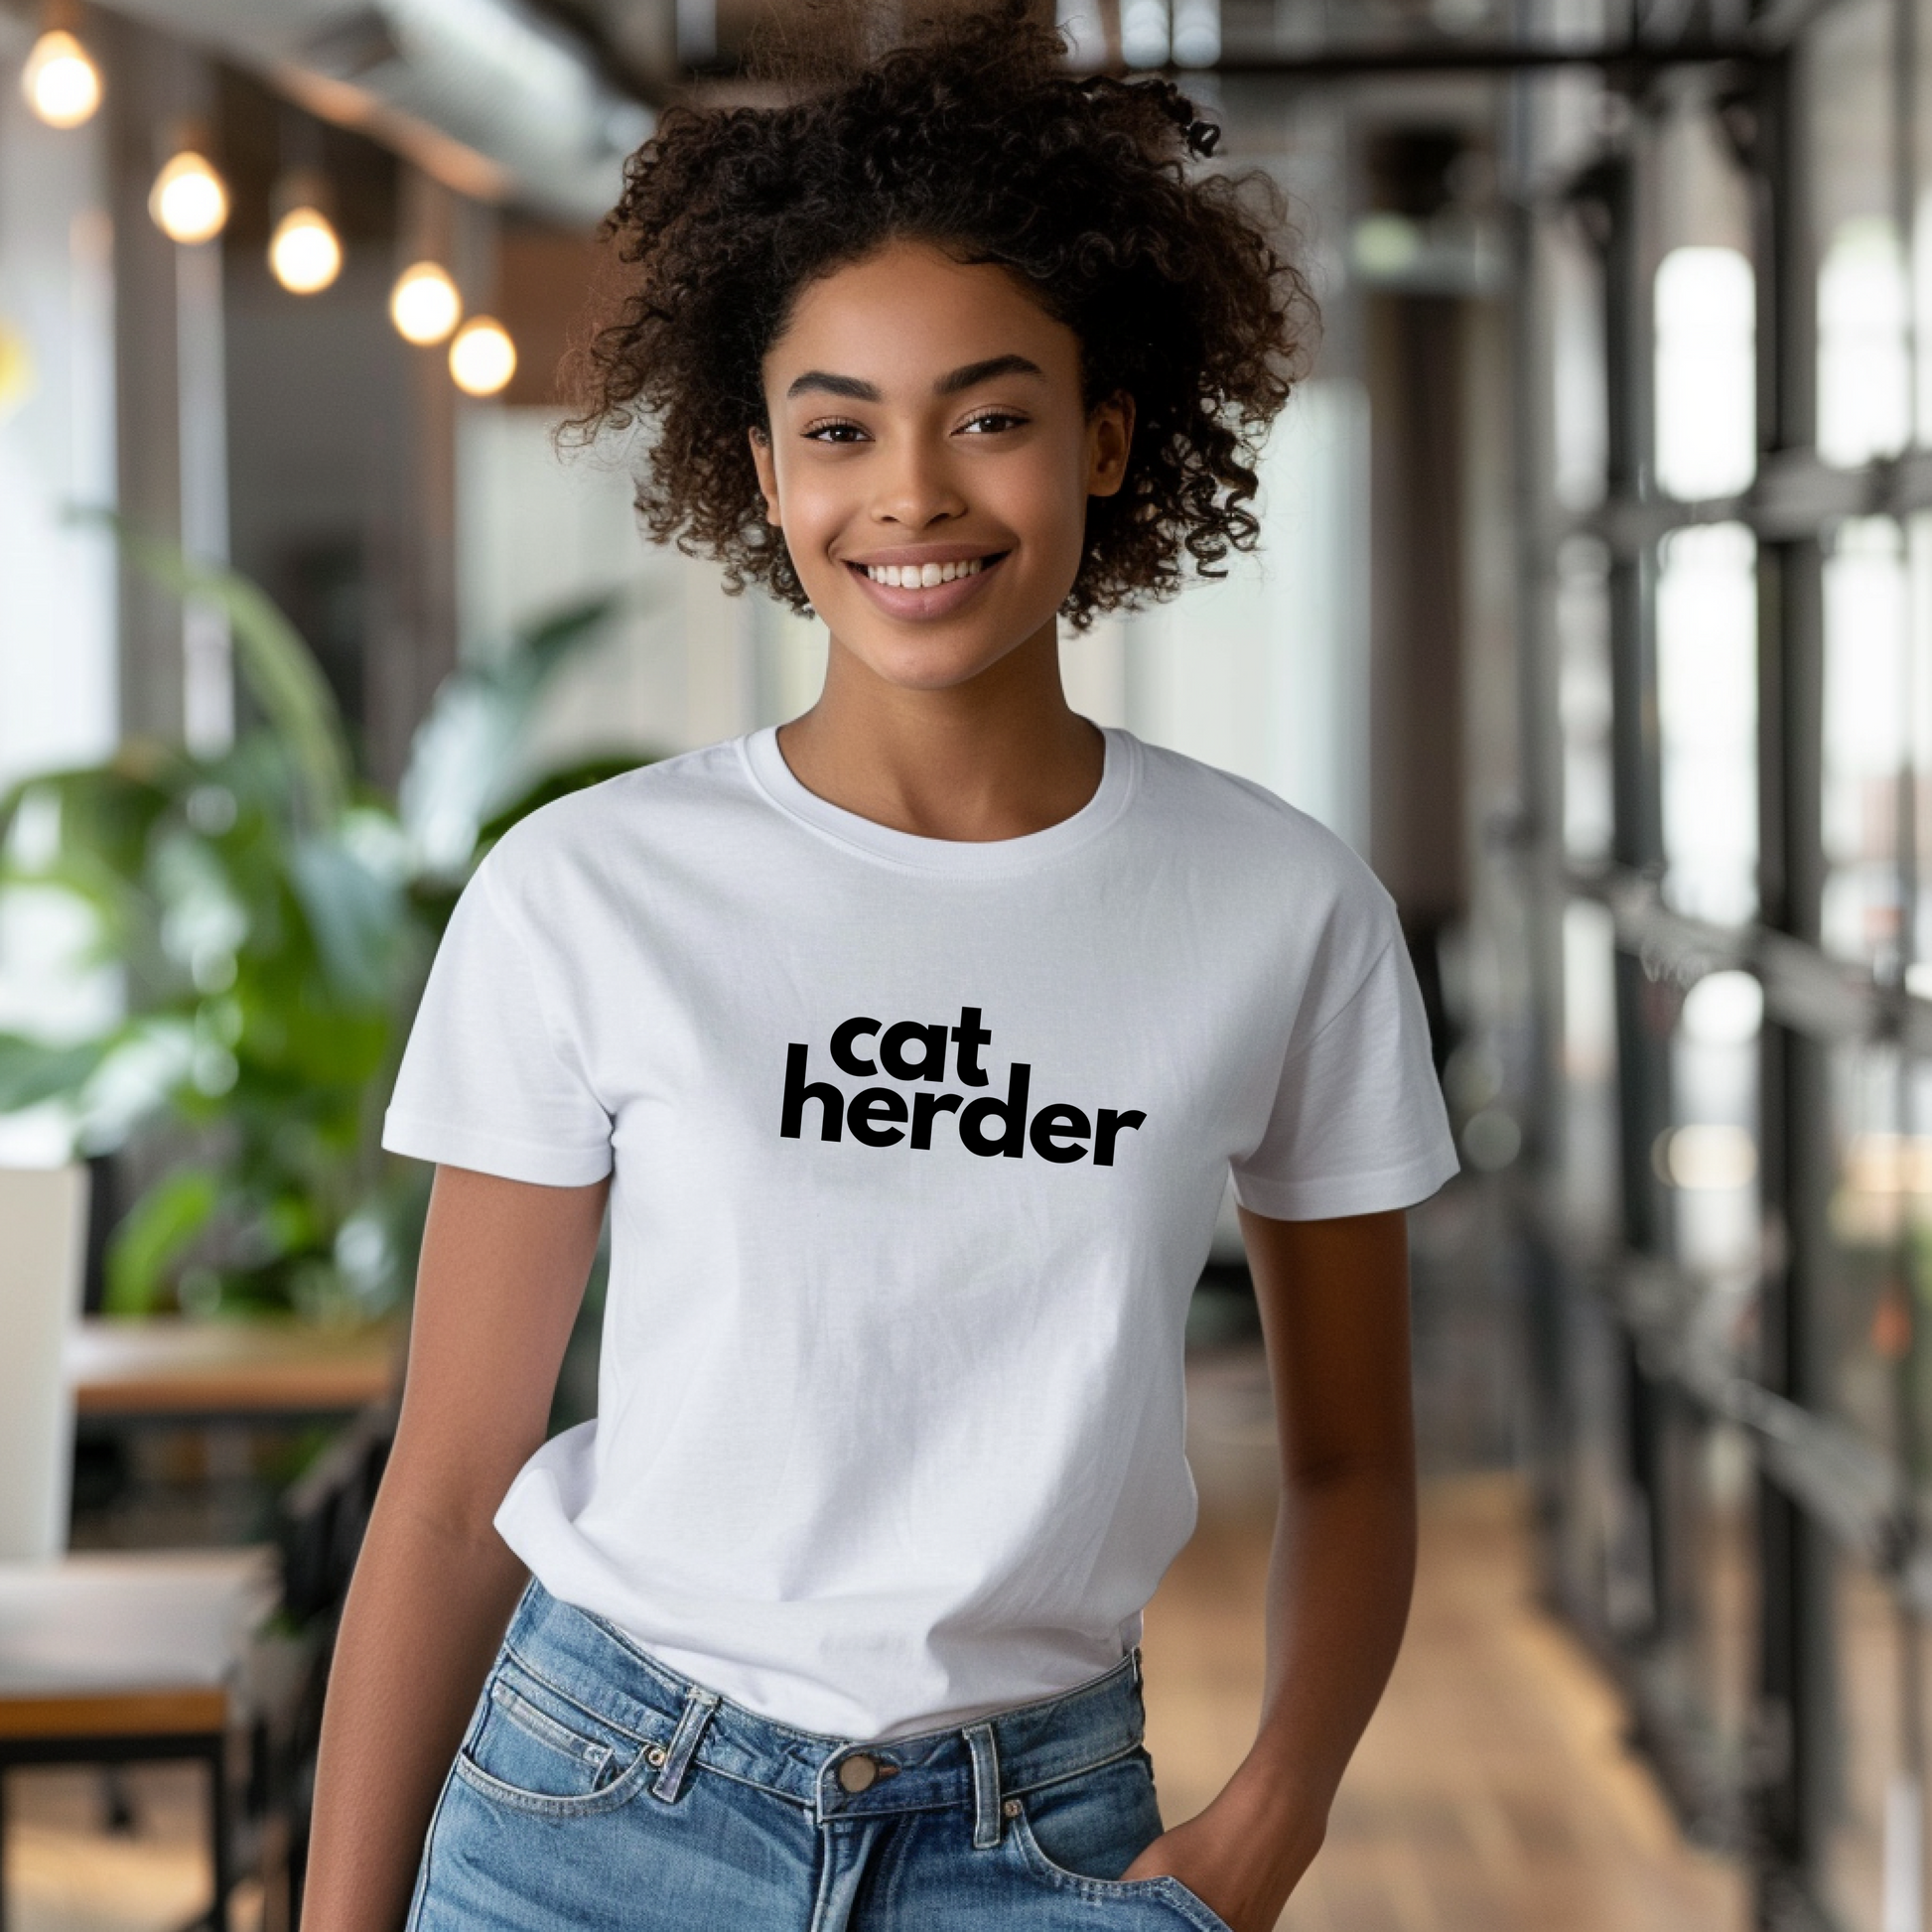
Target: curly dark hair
974	136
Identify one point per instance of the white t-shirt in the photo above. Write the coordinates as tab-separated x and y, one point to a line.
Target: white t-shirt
917	1146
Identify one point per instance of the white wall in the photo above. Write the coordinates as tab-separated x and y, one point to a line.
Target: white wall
58	684
58	688
536	531
1266	673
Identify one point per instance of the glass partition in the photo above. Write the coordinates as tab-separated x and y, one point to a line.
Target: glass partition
1705	320
1868	706
1584	696
1863	388
1707	701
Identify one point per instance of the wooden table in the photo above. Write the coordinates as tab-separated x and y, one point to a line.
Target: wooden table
177	1368
109	1658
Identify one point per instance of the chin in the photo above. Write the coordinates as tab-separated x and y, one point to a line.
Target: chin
922	673
922	662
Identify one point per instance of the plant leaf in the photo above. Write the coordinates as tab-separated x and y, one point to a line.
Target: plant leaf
352	915
560	783
463	761
32	1071
159	1227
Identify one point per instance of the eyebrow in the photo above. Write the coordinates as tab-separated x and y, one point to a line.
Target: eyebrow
974	373
854	389
824	382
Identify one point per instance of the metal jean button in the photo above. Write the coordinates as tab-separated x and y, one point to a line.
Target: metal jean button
858	1773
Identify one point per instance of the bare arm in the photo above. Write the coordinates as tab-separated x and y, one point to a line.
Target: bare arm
1334	1308
502	1272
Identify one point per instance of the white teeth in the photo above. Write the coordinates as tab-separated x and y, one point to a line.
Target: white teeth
922	576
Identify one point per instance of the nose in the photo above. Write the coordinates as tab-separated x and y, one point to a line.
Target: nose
916	488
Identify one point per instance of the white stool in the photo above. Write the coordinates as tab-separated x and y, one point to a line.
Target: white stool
43	1245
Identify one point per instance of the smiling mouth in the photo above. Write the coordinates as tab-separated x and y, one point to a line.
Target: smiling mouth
923	577
927	576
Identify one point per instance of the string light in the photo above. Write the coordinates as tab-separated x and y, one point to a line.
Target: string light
424	304
189	199
61	82
483	359
304	253
16	369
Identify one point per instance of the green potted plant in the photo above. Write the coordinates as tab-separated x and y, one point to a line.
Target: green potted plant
269	917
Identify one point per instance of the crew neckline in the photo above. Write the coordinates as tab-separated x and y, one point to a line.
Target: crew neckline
774	779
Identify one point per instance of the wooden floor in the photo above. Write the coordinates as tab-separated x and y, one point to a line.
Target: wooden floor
1491	1794
68	1874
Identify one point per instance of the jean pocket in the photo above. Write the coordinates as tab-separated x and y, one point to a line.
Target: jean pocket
1163	1891
533	1749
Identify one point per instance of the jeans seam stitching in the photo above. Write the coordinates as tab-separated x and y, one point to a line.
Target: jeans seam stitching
595	1717
528	1717
1061	1777
420	1897
805	1805
611	1797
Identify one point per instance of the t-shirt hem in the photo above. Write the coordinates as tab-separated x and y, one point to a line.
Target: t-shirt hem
463	1147
1329	1198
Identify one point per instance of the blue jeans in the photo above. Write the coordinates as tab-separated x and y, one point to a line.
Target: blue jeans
596	1789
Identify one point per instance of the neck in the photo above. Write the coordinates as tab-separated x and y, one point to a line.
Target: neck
995	757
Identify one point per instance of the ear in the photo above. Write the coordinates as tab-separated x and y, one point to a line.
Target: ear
768	476
1110	437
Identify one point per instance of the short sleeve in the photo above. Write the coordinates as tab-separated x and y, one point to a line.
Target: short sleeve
1358	1124
488	1079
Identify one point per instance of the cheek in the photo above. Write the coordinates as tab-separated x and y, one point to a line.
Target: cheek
1056	474
1047	501
813	509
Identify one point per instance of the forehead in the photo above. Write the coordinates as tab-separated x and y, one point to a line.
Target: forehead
910	313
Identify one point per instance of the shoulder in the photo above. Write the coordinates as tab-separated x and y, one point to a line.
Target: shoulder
665	802
1252	839
596	854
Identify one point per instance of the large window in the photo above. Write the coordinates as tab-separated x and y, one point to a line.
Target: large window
1732	292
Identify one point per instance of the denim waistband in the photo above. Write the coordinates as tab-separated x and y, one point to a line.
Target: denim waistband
682	1725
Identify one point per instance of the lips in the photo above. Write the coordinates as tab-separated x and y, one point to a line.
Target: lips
923	602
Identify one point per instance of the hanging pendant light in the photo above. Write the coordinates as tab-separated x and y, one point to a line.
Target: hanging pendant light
304	253
483	359
60	80
188	201
424	304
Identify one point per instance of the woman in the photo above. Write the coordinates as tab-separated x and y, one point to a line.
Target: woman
912	1046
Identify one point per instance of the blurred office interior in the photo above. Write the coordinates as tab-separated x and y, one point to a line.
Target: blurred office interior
1594	608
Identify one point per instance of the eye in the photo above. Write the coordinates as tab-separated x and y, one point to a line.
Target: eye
990	422
834	429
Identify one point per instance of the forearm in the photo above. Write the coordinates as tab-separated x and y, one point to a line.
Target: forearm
432	1596
1339	1583
1338	1597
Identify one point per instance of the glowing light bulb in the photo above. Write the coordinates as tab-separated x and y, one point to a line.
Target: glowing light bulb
16	369
62	85
483	359
304	253
189	199
424	304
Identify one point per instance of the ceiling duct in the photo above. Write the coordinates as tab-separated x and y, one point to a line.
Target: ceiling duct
487	96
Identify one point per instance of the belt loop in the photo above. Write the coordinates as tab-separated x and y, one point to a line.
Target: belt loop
1137	1667
986	1787
669	1781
